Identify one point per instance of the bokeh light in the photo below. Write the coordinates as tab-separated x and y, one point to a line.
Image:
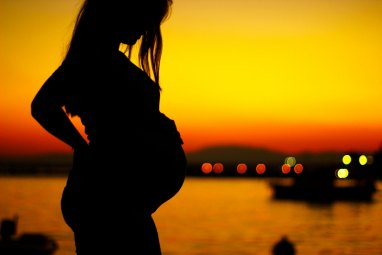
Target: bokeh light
260	168
346	159
206	168
241	168
285	168
370	160
298	168
291	161
363	160
218	168
342	173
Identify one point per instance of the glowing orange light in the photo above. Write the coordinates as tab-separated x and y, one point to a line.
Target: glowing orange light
298	168
285	168
206	168
218	168
260	168
241	168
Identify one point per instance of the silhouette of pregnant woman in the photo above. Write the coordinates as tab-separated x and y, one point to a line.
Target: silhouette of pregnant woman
134	161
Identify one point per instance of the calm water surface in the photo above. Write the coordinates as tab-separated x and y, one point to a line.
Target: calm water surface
214	216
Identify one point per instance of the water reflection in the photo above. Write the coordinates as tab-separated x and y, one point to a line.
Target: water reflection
216	216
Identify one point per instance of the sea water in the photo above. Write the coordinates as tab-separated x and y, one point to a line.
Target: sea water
214	216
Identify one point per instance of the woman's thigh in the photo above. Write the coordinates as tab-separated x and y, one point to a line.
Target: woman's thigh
127	234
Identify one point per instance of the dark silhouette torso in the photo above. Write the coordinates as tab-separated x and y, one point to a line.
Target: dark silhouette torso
134	164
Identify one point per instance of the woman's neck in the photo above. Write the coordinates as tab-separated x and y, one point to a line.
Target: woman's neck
106	48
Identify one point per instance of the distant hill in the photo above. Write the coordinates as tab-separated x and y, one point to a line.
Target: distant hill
48	159
234	155
247	155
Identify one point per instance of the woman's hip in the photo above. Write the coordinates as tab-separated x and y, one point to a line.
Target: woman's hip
121	234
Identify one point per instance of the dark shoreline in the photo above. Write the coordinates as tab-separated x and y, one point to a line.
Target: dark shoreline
326	171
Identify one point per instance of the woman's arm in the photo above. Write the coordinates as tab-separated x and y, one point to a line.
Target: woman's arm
47	110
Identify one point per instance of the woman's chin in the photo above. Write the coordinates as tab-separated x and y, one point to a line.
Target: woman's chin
130	42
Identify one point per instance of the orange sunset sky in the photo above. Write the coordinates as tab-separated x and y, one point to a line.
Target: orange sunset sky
290	76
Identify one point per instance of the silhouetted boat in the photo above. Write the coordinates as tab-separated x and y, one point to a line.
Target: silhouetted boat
356	190
26	244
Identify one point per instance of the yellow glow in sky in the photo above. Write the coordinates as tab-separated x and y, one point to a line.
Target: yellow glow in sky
285	75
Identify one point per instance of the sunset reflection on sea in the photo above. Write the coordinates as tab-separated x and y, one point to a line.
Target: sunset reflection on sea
214	216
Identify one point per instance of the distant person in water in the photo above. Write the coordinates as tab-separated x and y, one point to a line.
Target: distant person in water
134	161
284	247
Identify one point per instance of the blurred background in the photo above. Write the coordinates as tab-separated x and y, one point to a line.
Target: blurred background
277	92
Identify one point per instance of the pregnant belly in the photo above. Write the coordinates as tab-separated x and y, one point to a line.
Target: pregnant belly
166	180
143	181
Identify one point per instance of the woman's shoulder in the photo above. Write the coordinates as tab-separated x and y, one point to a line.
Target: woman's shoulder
86	69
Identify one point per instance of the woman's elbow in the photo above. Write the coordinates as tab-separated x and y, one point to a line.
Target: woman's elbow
36	109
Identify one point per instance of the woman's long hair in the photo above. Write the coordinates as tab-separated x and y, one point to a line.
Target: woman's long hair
94	14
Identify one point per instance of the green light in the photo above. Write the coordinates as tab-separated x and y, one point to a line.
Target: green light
291	161
346	159
363	160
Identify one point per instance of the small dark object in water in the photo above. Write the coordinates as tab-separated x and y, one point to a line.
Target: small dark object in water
8	228
284	247
26	244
